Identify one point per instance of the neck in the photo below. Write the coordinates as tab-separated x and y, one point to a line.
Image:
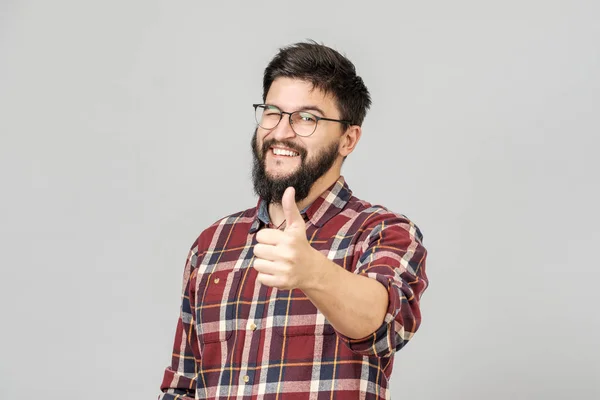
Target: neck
323	183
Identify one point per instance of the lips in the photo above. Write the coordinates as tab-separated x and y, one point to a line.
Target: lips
283	149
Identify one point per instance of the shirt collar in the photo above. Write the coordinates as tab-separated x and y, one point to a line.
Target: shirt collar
326	206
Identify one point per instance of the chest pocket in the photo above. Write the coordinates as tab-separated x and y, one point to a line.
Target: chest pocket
216	307
296	315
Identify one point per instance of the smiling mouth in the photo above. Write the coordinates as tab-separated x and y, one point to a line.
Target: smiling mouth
284	152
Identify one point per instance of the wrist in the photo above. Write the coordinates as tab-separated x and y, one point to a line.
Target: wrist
320	271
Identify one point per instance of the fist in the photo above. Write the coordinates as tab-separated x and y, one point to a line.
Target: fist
285	259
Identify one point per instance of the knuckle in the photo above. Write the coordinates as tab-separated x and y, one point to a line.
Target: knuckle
293	253
287	256
289	239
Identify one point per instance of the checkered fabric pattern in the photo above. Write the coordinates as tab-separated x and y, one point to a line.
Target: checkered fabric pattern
238	339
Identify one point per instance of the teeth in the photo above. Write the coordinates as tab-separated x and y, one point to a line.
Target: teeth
282	152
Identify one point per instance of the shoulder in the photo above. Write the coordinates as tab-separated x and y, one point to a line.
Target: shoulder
389	235
375	218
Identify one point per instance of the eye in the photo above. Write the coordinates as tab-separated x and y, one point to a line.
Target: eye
271	111
306	117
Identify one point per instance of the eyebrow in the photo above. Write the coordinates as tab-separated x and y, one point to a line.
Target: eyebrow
305	108
312	108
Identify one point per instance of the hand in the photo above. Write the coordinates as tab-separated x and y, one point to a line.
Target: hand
285	259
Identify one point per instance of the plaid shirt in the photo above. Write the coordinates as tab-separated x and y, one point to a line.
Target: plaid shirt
237	339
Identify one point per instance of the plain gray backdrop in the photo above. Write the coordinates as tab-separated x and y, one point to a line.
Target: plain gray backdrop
125	130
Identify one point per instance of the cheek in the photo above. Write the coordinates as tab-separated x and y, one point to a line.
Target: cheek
314	151
261	132
261	136
258	142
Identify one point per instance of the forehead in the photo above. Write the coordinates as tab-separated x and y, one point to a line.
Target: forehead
291	94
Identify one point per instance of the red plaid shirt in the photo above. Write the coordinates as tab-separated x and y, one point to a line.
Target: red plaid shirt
237	339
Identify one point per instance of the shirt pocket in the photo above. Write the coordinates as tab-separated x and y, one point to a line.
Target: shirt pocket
216	307
296	315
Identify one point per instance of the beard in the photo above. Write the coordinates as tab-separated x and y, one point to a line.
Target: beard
271	189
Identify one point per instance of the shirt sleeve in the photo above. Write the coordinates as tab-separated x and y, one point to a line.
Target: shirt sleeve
392	254
179	380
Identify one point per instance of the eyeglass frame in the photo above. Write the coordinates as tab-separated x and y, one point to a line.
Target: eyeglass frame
281	112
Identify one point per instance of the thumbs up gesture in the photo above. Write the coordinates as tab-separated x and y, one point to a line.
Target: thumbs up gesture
285	259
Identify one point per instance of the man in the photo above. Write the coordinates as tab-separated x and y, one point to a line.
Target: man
309	294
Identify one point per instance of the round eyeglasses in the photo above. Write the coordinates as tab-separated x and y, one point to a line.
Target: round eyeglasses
303	123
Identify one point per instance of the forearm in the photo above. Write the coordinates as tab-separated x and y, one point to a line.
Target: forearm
354	304
179	379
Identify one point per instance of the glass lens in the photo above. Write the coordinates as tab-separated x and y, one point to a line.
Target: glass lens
304	123
267	116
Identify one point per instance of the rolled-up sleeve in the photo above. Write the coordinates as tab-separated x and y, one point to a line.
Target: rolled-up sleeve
179	380
393	254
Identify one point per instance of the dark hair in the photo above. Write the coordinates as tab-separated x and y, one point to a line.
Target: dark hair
328	71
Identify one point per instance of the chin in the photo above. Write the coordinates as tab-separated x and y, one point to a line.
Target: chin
281	174
278	176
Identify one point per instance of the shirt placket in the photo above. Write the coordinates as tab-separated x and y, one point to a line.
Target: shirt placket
252	316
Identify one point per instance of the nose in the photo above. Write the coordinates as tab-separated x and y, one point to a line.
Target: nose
283	130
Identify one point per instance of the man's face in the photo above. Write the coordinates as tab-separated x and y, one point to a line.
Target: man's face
310	158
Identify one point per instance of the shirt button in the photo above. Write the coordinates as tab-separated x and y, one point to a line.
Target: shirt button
246	378
253	326
217	280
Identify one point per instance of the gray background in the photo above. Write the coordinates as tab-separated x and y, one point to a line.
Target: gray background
125	130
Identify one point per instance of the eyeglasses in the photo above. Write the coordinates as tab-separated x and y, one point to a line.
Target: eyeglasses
303	123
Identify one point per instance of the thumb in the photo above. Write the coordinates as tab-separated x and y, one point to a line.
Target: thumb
293	218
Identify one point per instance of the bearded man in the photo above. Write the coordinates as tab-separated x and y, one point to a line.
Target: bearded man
309	294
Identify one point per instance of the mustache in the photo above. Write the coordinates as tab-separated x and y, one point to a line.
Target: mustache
286	143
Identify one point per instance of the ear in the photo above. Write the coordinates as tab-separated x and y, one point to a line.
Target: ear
350	140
